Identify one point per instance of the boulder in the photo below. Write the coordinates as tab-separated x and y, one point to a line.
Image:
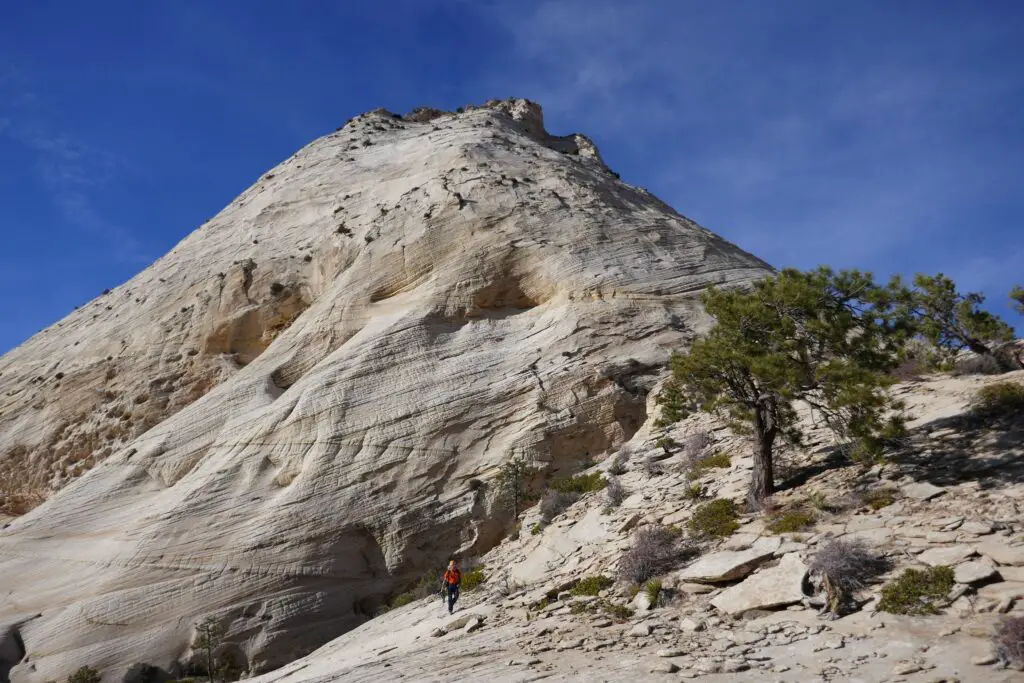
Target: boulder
776	586
974	571
726	565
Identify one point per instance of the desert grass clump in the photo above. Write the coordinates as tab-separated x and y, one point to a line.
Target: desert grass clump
1008	641
715	519
999	400
652	589
591	585
790	522
877	499
655	551
915	591
554	502
846	566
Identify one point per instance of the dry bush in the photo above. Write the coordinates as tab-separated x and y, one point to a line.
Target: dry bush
695	445
653	468
980	365
846	566
554	503
615	492
655	550
1008	640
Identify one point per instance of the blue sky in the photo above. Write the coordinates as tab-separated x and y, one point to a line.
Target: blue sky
882	135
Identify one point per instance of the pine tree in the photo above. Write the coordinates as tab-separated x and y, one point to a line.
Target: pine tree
208	638
949	320
511	484
824	339
1017	295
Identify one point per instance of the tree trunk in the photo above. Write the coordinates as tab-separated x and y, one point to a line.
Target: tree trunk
977	346
762	483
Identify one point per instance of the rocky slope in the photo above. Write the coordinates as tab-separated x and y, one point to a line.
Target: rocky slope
287	417
745	609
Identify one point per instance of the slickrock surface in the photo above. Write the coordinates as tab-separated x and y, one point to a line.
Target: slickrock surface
532	628
286	417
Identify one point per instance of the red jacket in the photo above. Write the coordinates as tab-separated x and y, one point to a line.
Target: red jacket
453	576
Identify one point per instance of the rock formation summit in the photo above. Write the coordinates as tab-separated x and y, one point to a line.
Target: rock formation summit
297	411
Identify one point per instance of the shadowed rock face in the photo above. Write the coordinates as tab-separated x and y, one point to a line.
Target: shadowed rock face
314	378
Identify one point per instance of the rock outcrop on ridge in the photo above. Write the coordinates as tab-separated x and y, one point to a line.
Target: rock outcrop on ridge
294	412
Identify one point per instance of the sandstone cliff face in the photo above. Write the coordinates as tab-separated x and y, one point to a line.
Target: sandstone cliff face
287	415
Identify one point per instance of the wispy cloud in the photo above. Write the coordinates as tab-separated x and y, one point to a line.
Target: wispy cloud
70	171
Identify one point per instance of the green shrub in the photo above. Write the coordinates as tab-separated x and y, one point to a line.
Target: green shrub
715	519
536	529
615	611
581	483
653	590
693	491
879	498
790	522
86	674
999	400
472	579
914	591
591	585
716	461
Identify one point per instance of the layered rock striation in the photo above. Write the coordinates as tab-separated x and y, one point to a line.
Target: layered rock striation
297	410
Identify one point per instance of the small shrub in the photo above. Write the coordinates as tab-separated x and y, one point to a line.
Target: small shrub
693	490
790	522
878	498
536	529
581	483
655	550
472	579
591	585
86	674
615	611
999	400
701	466
1008	640
666	443
715	519
615	492
555	502
846	566
653	591
915	591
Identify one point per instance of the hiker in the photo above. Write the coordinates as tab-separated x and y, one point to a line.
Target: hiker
452	579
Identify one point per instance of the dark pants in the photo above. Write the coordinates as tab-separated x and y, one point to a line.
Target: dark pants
453	595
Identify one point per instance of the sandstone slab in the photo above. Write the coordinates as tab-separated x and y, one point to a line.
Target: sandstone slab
726	565
922	491
776	586
1002	552
946	555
